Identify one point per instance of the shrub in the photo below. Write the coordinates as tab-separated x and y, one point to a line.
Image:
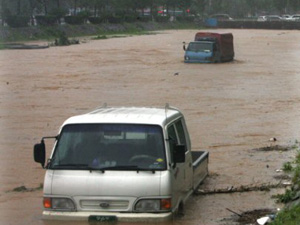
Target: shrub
144	18
96	20
17	21
130	18
46	20
298	157
84	14
287	167
62	40
100	37
185	18
288	217
296	176
114	19
74	20
286	197
58	12
162	19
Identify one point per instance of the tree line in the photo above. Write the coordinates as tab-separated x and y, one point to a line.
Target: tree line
143	8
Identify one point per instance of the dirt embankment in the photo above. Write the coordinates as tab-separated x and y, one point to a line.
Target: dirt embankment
40	32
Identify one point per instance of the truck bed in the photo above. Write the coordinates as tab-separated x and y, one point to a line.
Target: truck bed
200	167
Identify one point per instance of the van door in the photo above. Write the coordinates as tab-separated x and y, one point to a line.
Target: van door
188	167
182	172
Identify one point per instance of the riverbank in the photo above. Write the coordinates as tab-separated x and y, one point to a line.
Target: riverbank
48	33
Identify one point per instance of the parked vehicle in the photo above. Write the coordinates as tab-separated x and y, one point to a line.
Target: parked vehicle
209	48
221	17
287	17
269	18
125	164
295	17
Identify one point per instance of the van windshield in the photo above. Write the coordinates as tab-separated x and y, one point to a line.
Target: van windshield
200	47
110	147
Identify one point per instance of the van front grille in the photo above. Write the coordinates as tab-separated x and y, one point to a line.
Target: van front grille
104	205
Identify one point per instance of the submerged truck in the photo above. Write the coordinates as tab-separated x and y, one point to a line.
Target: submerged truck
209	48
121	164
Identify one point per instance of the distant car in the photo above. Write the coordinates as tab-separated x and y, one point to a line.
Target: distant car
295	17
287	17
221	17
269	18
261	18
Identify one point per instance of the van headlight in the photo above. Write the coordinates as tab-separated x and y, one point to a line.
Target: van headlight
153	205
63	204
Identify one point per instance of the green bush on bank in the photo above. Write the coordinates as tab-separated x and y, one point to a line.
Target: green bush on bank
46	20
96	20
162	19
144	18
291	214
17	21
185	19
74	20
288	217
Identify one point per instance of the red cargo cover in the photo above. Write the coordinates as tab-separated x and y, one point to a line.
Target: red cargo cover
225	42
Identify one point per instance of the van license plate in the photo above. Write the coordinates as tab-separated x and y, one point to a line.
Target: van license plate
102	218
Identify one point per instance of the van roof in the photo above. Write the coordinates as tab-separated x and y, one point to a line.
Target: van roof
132	115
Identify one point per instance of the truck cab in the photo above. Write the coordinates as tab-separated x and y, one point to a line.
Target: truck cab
201	51
125	164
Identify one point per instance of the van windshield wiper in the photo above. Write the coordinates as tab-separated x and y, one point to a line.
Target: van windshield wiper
120	168
128	167
70	165
86	166
75	166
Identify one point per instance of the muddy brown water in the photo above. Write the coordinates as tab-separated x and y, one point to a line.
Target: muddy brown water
230	109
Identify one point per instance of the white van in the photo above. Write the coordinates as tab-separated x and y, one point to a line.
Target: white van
124	164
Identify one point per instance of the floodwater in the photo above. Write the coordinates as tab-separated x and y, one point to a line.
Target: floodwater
230	110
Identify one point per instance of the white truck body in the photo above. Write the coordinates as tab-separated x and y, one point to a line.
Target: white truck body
121	164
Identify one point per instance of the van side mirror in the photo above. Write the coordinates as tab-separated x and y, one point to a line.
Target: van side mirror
39	153
179	154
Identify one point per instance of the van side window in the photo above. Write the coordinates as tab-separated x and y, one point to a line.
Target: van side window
172	139
180	132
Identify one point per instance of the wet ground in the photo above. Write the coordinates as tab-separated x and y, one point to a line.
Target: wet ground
231	110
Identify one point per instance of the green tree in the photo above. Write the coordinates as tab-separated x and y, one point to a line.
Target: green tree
198	7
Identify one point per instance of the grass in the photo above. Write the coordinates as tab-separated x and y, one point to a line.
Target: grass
286	197
99	37
49	33
120	34
298	157
290	216
287	167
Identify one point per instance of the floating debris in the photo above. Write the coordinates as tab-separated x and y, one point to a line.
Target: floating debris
242	188
287	183
23	46
251	217
263	220
25	189
279	148
20	189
